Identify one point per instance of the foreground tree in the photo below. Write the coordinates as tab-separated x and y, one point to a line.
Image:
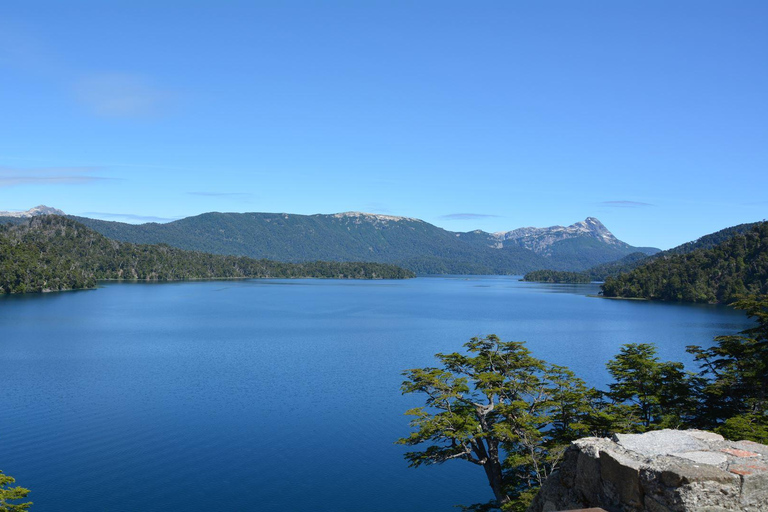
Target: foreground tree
501	409
8	494
649	394
736	373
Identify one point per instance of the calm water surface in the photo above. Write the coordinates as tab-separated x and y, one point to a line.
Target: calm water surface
272	395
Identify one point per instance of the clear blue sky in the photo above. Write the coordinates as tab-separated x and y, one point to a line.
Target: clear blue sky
651	116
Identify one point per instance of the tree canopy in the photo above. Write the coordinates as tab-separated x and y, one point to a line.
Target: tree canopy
9	494
500	408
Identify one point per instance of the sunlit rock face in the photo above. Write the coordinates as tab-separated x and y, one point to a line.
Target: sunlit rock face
539	240
660	471
33	212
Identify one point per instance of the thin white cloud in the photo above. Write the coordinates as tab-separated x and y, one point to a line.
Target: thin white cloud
467	216
625	204
10	177
128	217
378	208
220	194
121	95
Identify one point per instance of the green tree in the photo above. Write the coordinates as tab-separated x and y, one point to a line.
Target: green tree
499	408
647	393
736	373
8	494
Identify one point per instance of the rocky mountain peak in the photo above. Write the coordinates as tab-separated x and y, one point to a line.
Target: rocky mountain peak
370	216
540	239
33	212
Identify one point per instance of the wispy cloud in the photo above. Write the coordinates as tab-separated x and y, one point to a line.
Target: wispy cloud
121	95
467	216
625	204
221	194
105	93
128	217
378	208
11	176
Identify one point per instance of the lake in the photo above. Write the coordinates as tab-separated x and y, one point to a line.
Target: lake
275	395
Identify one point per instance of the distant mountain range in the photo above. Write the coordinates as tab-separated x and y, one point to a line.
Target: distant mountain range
354	236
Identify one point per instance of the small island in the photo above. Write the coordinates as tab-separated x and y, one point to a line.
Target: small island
556	276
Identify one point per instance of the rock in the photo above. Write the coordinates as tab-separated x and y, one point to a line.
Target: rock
660	471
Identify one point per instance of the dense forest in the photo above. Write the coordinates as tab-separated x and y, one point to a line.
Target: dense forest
634	260
735	267
410	243
555	276
50	253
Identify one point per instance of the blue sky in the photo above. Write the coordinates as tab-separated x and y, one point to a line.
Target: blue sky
651	116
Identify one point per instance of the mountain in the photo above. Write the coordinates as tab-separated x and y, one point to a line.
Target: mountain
541	240
633	261
355	236
33	212
48	253
719	274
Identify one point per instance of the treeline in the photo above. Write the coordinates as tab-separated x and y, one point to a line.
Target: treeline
499	407
50	253
554	276
738	266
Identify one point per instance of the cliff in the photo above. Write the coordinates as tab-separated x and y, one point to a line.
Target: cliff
660	471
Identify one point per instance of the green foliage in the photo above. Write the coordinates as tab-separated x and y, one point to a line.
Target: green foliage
555	276
647	394
54	253
9	494
512	414
614	268
736	372
634	260
409	243
735	267
500	408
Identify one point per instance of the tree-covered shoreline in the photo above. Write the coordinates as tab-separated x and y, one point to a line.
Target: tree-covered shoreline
718	275
52	253
555	276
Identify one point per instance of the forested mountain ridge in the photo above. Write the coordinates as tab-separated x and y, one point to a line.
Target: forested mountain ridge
354	236
48	253
720	274
632	261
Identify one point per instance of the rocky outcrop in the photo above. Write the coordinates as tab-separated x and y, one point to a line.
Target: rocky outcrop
33	212
660	471
539	240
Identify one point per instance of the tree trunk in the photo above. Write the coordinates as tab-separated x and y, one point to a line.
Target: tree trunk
492	469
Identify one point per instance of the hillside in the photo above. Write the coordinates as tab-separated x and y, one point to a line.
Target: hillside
736	266
48	253
632	261
353	236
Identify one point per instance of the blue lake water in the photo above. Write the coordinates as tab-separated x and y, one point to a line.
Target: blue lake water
274	395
